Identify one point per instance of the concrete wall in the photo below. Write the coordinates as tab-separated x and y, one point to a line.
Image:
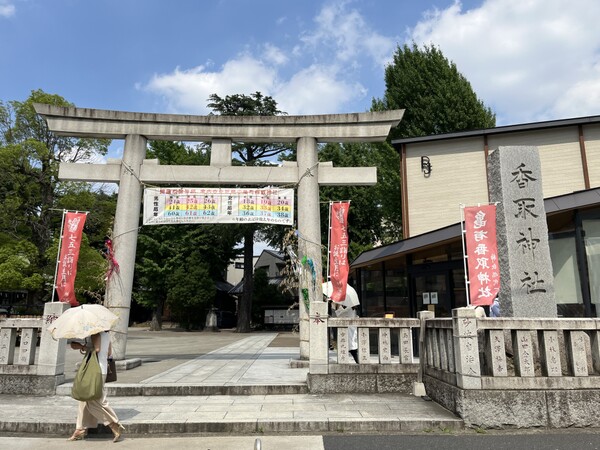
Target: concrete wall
591	134
518	408
458	171
560	157
457	176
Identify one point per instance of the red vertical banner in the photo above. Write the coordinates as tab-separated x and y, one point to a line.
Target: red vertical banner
69	255
338	251
482	254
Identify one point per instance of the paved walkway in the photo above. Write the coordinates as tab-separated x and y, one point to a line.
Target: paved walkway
245	386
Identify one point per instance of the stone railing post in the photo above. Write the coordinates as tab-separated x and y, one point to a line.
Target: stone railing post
319	347
419	386
466	348
51	358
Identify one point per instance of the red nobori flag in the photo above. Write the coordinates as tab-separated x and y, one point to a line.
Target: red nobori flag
482	251
338	251
69	254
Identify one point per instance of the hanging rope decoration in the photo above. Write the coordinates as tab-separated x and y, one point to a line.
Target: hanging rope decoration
113	265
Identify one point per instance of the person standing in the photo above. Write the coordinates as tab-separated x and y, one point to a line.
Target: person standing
92	412
495	308
350	313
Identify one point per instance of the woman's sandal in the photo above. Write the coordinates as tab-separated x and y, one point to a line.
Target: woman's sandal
78	435
117	430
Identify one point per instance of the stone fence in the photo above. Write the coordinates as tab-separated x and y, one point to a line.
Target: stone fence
25	366
385	354
514	372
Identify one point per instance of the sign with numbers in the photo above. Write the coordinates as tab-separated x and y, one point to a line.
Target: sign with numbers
164	206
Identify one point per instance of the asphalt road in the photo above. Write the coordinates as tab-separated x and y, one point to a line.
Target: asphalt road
575	439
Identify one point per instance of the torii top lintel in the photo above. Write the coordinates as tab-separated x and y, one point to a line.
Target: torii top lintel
98	123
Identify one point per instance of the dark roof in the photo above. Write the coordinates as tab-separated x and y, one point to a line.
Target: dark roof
238	289
409	245
275	254
553	205
223	286
500	130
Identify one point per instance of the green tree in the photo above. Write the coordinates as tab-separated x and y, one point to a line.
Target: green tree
29	189
374	215
436	96
250	154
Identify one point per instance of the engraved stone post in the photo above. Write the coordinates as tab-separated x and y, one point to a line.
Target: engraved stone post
343	346
51	358
576	351
466	348
550	353
526	277
8	340
523	353
496	354
27	347
419	386
319	348
385	346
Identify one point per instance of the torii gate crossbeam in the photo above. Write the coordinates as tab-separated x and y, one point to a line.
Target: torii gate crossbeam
134	171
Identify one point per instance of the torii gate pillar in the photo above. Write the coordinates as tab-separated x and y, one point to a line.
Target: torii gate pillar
221	131
125	234
309	232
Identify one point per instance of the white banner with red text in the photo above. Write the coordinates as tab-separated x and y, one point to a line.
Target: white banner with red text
164	206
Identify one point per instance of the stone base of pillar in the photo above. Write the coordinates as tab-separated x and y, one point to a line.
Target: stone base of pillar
418	389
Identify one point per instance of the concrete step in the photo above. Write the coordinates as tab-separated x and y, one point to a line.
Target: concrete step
174	390
238	427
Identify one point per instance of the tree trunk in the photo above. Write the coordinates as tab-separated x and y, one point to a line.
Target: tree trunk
245	303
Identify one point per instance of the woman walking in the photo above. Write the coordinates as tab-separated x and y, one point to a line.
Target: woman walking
93	412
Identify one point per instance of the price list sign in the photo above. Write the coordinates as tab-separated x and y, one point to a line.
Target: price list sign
218	205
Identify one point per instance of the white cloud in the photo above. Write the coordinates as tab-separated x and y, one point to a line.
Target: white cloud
529	60
187	91
347	35
7	9
316	90
274	55
317	74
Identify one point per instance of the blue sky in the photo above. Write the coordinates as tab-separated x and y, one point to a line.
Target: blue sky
529	60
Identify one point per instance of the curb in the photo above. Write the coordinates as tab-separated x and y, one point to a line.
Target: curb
256	426
175	390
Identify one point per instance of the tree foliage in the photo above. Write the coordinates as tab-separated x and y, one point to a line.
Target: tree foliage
33	153
436	96
32	198
374	216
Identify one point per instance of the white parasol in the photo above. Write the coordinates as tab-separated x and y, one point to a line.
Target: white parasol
82	321
351	295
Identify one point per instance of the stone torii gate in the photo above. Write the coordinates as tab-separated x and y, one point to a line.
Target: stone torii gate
134	170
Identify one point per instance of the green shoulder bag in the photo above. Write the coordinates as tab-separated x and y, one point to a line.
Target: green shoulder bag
87	384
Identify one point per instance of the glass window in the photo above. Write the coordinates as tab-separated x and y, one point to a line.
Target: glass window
396	287
567	285
592	250
372	298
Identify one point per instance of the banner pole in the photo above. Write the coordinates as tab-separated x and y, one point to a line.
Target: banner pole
462	240
62	225
327	278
